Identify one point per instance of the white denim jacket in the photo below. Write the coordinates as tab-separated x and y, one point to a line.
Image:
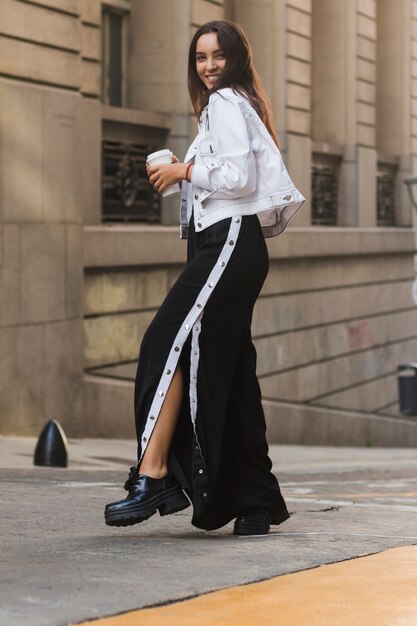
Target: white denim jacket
238	169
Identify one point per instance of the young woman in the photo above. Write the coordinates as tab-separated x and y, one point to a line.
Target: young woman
199	418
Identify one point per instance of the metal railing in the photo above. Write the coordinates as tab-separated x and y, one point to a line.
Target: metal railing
127	195
385	192
325	186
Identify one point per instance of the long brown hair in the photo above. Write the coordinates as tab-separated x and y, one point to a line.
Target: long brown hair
239	72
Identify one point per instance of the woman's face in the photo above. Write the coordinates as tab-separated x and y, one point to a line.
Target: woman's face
210	59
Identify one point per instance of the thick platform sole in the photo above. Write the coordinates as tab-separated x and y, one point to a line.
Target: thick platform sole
170	501
252	526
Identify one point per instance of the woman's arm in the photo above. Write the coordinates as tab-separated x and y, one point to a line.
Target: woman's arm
229	169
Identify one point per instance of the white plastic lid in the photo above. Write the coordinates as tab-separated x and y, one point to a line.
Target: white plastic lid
159	153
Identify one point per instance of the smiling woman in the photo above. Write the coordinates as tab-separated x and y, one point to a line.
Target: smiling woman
210	60
199	418
221	56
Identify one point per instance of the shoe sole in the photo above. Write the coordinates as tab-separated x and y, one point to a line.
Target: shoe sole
171	501
253	527
246	528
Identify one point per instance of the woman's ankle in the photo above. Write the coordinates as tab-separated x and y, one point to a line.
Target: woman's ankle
153	472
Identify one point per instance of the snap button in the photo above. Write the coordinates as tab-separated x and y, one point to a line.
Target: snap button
200	471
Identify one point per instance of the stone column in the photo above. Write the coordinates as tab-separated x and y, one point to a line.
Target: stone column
344	101
160	38
280	33
397	92
161	35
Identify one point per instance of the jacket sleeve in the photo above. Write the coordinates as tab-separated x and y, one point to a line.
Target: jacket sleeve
230	171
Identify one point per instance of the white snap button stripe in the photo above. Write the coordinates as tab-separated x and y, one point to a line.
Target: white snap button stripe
192	323
194	358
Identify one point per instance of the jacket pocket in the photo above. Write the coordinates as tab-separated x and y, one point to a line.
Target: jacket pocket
206	147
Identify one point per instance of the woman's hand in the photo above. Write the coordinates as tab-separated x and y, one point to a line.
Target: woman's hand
164	175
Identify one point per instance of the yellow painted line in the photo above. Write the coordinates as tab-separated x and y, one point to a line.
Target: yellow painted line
391	494
376	590
370	494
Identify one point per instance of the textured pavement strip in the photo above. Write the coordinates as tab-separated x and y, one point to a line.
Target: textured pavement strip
61	565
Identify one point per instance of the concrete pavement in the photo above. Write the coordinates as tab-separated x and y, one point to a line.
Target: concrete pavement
62	565
340	594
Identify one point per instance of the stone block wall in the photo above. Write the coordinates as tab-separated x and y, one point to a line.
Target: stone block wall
44	120
331	328
334	320
335	317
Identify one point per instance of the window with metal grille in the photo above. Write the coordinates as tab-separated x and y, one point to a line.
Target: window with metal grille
127	194
114	54
324	194
385	193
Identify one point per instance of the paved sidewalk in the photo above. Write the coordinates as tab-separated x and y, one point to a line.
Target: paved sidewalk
62	565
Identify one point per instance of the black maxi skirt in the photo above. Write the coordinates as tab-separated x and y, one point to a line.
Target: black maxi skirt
219	453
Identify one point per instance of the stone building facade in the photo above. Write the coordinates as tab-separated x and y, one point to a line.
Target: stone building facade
88	251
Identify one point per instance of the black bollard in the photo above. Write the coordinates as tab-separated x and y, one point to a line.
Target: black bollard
52	446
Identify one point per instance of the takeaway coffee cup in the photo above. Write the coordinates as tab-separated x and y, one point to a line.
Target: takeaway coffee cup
163	156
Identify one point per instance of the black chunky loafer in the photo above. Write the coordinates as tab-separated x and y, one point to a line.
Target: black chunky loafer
257	522
146	496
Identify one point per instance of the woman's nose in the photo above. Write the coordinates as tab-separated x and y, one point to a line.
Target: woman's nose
211	64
